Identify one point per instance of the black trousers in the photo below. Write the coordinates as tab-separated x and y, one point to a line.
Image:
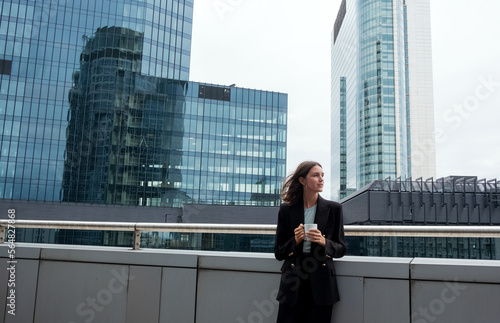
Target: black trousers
304	311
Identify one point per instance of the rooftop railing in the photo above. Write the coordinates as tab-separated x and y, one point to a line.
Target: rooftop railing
350	230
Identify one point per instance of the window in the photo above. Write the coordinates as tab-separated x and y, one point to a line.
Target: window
5	67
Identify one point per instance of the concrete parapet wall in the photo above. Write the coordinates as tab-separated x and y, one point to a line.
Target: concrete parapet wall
57	283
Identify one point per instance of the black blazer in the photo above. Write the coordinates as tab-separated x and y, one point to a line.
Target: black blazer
317	265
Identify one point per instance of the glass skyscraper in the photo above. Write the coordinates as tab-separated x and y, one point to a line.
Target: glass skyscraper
382	99
96	106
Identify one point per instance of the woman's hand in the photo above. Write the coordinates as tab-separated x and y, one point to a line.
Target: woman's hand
314	235
299	234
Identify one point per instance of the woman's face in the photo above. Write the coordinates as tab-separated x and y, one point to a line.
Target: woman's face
314	179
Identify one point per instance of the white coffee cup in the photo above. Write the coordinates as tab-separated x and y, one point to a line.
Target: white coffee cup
309	226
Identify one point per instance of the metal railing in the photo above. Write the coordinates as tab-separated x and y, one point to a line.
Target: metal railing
350	230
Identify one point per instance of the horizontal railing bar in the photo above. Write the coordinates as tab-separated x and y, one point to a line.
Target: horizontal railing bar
73	225
440	231
350	230
209	228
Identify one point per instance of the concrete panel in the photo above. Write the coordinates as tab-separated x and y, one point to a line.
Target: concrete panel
386	301
3	287
178	295
350	307
226	296
263	262
143	295
23	250
153	257
26	275
81	292
484	271
25	280
454	302
375	267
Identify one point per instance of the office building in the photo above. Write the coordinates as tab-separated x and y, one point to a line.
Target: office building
381	91
97	107
449	201
40	48
141	140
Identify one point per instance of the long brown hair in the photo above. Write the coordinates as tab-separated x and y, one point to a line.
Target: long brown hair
293	191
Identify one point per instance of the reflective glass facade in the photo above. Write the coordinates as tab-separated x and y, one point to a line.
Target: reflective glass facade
165	142
234	145
42	44
381	152
344	121
96	107
371	133
342	137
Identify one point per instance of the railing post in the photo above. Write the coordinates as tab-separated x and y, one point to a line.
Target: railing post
137	240
2	234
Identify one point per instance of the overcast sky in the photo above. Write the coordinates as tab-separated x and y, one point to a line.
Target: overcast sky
284	46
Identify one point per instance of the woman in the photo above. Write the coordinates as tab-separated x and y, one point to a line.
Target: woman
308	287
